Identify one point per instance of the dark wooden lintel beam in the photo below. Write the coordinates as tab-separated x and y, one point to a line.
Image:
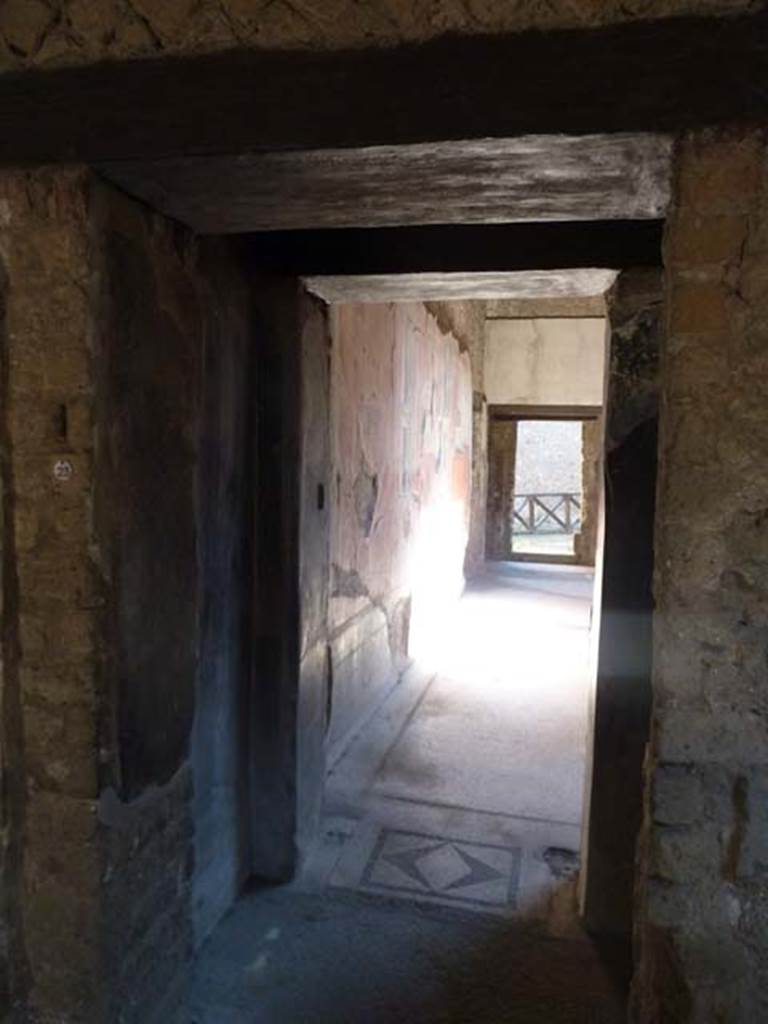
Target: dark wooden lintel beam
457	248
647	76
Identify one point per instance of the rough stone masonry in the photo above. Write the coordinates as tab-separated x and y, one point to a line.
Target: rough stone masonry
46	33
702	931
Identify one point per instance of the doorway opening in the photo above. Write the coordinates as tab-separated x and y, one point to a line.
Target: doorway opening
548	488
457	691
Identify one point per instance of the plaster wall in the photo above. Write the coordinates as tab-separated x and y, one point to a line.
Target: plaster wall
402	448
466	321
552	361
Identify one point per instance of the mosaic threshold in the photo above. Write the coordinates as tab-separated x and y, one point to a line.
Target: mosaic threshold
443	869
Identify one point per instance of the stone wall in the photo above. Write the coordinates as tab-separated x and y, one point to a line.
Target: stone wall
43	33
402	422
53	593
108	310
704	861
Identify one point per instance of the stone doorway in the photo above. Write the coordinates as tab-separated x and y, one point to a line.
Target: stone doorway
100	706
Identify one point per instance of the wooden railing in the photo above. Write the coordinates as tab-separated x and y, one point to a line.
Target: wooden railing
546	513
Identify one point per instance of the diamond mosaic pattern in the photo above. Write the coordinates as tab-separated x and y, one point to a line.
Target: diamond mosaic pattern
449	870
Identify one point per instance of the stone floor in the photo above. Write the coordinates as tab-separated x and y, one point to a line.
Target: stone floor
549	544
443	887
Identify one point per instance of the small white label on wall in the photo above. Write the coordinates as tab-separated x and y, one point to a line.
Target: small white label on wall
63	469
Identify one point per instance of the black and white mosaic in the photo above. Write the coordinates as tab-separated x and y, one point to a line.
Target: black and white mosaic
448	870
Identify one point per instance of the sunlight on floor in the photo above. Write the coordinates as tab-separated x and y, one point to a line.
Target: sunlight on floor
451	825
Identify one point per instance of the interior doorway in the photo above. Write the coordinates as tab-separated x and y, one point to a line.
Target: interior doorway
456	710
544	485
548	489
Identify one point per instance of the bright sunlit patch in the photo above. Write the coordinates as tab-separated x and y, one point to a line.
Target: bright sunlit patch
476	640
436	576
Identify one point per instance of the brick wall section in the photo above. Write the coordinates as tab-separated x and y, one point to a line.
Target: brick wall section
53	638
44	33
704	854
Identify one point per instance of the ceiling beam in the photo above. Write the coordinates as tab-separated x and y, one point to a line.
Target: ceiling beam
531	178
522	284
647	76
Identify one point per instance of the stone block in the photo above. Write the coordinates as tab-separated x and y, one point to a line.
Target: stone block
667	905
716	733
677	795
754	852
62	477
59	685
720	171
95	22
699	308
23	23
67	636
61	879
679	854
695	238
53	423
695	363
61	750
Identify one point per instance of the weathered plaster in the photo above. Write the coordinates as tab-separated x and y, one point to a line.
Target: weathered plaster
537	309
466	322
545	362
402	422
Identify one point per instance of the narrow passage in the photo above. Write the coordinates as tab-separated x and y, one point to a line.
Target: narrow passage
443	886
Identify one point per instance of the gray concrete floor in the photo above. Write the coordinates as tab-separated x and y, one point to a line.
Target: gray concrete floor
443	887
